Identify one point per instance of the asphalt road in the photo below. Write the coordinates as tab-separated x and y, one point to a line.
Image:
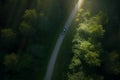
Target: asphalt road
53	57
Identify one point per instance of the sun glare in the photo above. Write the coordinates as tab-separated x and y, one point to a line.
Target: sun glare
80	3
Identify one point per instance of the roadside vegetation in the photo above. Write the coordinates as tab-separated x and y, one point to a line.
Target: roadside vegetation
90	50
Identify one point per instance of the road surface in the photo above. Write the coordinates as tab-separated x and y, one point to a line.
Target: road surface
53	57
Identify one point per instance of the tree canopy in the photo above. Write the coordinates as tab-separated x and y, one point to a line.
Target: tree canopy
87	49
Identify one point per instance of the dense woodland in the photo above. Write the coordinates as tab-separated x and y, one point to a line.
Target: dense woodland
96	43
29	30
91	49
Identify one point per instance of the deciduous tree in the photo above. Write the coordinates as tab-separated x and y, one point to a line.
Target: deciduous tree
87	49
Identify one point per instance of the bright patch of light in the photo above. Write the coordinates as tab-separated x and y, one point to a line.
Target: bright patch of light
79	3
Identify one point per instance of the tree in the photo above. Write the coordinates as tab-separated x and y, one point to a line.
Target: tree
87	49
8	34
27	26
30	16
10	61
19	66
82	76
8	38
26	29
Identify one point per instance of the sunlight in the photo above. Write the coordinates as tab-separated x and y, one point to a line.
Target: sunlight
79	3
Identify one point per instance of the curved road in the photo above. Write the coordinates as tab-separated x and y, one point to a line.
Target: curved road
53	57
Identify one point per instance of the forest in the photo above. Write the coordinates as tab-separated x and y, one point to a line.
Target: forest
91	48
29	30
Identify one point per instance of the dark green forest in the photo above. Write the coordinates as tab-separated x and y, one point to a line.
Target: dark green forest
29	30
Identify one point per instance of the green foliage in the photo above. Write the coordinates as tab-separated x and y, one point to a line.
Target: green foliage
8	34
86	40
87	48
77	76
30	16
10	60
19	66
92	28
26	29
82	76
92	58
29	23
75	62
